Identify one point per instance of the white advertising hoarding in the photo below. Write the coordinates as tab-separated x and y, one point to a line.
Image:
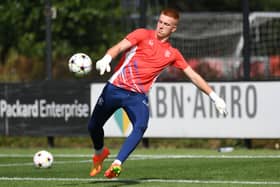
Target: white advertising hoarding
181	110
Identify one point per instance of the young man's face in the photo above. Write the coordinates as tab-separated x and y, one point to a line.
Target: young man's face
165	26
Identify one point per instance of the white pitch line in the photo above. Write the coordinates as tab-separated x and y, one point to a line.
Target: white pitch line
142	156
16	164
142	180
202	156
132	157
56	162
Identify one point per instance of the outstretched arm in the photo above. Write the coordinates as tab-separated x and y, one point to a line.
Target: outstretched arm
118	48
198	80
203	86
104	64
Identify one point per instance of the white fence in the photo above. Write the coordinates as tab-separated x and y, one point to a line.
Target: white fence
181	110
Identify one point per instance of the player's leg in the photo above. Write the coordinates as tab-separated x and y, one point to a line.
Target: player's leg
136	107
138	113
104	108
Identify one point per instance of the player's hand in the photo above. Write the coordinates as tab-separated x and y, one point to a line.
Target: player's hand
103	64
219	103
221	106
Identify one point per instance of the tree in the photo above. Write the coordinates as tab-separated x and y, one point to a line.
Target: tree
80	25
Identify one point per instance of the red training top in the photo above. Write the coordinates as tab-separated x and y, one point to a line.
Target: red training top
141	64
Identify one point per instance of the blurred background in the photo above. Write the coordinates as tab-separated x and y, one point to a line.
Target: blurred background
209	35
223	40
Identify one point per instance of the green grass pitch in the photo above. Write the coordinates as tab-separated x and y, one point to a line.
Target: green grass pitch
145	167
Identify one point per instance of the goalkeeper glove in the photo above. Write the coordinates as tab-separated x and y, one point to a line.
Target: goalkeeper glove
103	64
219	103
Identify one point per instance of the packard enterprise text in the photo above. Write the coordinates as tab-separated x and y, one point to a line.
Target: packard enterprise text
40	108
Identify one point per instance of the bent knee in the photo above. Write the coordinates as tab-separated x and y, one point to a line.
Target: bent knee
92	126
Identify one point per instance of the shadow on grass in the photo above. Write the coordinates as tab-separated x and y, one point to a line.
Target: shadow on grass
107	182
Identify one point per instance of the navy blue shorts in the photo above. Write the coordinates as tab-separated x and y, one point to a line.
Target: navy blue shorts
113	98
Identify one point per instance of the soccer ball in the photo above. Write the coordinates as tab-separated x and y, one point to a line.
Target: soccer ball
80	64
43	159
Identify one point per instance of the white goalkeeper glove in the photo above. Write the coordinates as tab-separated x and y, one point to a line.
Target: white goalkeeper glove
219	103
103	64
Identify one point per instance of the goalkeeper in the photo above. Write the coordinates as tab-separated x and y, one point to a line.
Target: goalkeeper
145	55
